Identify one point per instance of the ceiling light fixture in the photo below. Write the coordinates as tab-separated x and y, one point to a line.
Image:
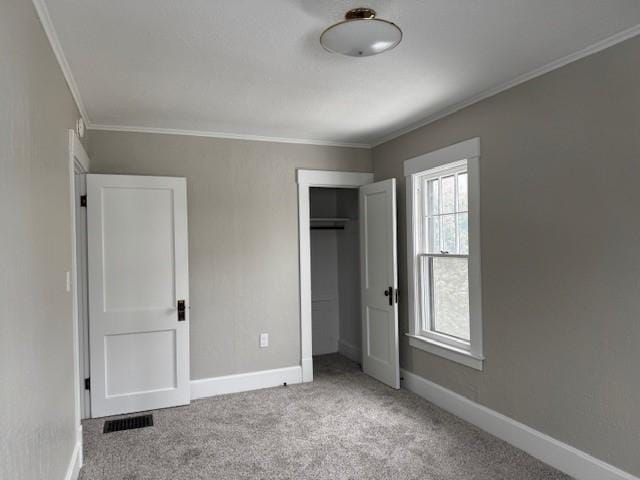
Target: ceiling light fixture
361	34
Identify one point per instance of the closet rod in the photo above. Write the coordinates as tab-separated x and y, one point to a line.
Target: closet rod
327	228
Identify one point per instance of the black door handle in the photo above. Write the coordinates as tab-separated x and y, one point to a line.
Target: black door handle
389	293
182	310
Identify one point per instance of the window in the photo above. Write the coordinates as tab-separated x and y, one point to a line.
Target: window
444	253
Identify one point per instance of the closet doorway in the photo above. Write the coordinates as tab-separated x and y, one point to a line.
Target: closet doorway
335	272
348	271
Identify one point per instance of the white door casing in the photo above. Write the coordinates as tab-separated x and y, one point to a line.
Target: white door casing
307	179
379	282
78	164
138	271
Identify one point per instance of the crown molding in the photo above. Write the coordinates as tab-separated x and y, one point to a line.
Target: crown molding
45	19
47	25
231	136
561	62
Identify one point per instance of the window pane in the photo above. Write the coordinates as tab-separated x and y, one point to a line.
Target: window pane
448	194
449	233
463	233
433	227
463	203
450	287
432	197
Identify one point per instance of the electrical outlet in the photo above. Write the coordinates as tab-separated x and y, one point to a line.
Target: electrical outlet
264	340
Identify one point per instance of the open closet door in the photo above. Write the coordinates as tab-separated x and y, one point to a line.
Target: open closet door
138	293
379	282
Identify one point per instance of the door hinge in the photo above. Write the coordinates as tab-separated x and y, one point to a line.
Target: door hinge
87	383
83	200
397	295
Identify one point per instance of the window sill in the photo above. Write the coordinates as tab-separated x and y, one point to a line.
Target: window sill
446	351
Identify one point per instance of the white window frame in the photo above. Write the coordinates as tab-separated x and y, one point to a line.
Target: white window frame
466	353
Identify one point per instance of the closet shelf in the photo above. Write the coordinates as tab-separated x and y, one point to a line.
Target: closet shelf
333	223
328	219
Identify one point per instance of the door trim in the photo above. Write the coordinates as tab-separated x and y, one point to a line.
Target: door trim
307	179
82	284
78	163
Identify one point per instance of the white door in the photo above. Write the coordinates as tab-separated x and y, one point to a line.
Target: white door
379	282
138	293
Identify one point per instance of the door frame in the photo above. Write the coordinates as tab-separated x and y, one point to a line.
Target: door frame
82	283
307	179
78	163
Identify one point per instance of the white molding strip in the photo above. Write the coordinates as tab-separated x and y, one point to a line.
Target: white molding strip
209	387
75	463
565	458
54	41
350	351
333	179
307	369
230	136
554	65
78	152
449	352
45	19
47	25
464	150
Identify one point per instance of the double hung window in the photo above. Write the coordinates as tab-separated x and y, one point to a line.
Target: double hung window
444	253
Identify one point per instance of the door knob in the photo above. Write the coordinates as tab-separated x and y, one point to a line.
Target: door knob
389	293
182	310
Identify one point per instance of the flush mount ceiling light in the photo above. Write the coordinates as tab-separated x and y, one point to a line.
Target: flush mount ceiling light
361	34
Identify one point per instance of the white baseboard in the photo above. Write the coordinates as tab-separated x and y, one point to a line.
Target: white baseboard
208	387
565	458
73	470
307	369
350	351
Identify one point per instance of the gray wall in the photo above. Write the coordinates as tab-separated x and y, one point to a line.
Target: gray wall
335	273
36	349
349	269
325	310
243	237
560	172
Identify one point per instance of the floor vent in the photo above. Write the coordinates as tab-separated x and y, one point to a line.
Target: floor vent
128	423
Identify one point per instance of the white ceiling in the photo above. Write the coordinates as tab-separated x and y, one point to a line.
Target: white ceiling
255	67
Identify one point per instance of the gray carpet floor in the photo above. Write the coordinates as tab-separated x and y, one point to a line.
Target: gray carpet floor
344	425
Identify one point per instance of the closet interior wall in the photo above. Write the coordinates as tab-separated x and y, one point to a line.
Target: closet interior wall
335	272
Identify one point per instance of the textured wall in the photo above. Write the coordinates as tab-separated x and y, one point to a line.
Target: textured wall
36	348
559	180
243	237
325	309
335	270
349	268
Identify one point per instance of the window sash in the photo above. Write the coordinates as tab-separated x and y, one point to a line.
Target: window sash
438	174
426	324
427	321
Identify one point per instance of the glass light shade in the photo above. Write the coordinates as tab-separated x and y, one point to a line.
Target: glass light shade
361	37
